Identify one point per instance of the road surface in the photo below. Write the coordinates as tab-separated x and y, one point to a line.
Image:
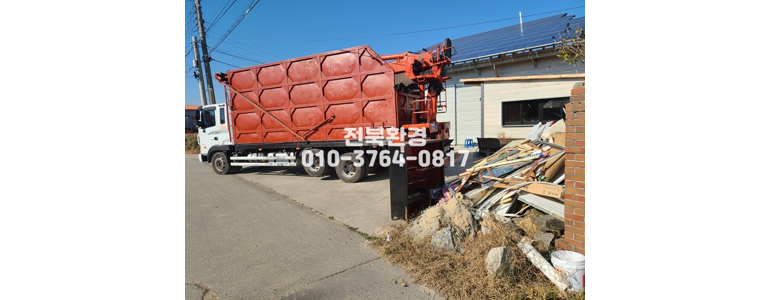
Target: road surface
244	241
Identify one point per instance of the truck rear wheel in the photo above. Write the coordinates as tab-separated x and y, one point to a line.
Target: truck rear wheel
317	169
221	164
348	172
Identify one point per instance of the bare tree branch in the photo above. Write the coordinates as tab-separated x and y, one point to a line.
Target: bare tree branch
572	47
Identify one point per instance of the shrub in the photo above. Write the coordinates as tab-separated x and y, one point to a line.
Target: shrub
191	143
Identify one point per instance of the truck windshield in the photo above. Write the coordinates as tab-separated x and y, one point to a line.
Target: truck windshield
208	118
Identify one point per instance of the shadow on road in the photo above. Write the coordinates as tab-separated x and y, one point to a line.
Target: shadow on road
374	175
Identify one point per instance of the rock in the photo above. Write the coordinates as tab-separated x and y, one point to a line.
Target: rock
443	240
548	223
528	226
544	241
499	262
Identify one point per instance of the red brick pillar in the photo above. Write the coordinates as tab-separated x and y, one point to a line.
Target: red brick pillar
574	184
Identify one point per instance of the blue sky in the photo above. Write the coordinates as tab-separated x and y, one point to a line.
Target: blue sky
276	30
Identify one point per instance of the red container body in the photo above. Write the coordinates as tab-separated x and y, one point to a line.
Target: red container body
354	85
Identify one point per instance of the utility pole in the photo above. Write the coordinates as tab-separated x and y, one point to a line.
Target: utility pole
198	73
206	57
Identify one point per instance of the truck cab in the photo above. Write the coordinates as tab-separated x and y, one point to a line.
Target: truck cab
213	128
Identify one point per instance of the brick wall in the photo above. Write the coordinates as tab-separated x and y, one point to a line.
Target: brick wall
574	184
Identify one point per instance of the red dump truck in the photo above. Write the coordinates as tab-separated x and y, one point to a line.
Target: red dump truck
342	111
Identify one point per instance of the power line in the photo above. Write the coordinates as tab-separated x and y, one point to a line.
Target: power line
255	53
555	27
262	49
235	24
221	6
189	31
240	57
220	15
191	16
246	47
190	19
418	31
221	62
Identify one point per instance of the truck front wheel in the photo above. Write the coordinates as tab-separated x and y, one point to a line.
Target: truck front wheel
221	163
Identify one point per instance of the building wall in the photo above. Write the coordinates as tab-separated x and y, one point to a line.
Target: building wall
491	95
575	182
495	93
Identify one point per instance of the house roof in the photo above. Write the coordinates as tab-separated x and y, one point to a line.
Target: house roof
537	33
190	107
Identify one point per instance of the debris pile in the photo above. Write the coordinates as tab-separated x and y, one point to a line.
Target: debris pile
522	176
510	200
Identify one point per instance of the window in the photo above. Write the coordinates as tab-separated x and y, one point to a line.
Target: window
208	118
221	115
533	111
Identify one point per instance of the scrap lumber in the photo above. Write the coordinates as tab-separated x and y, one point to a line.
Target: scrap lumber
534	167
559	138
533	156
553	168
544	189
508	182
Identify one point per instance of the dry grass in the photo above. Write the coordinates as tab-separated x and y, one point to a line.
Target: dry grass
464	276
191	143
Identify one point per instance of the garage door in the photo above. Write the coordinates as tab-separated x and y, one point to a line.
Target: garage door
468	113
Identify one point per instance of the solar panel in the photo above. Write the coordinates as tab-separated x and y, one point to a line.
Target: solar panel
539	32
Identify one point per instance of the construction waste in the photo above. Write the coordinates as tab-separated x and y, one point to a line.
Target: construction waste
520	186
522	175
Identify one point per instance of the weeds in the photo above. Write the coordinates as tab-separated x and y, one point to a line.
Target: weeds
464	276
368	237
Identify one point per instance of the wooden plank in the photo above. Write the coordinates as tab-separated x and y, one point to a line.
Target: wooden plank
559	138
465	180
543	189
508	162
508	183
552	168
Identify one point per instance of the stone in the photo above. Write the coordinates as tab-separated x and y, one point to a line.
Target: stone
443	240
548	223
499	262
544	241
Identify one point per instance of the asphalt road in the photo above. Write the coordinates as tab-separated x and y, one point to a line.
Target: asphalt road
244	241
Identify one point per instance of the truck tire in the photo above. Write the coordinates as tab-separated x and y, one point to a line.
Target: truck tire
221	163
348	172
317	170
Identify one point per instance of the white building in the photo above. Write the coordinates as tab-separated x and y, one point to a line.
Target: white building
497	84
